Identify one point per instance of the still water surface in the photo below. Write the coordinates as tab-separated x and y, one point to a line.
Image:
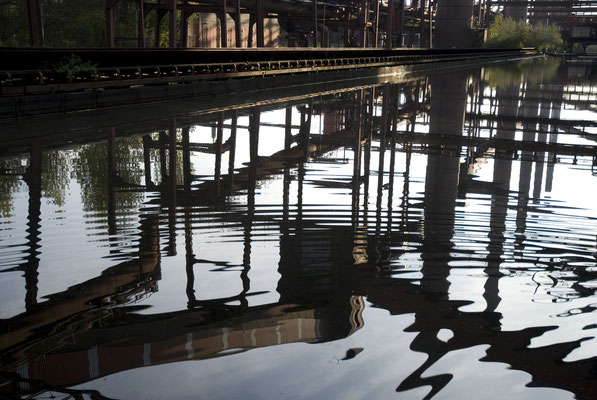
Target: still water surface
428	238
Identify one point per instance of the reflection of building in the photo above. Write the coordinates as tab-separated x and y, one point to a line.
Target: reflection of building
135	341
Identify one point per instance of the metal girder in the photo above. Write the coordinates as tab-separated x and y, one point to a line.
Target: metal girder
36	30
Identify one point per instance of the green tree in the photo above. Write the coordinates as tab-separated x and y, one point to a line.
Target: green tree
14	24
511	34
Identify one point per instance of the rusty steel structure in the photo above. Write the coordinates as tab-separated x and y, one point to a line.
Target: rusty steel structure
313	23
306	23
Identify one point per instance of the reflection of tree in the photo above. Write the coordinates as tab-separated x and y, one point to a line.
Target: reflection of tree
533	71
90	169
9	183
159	172
55	178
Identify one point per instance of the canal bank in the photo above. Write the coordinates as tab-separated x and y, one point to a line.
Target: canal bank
26	92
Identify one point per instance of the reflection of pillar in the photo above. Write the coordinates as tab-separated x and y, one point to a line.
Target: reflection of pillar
232	154
172	188
33	224
540	156
453	23
218	166
383	128
147	160
529	109
368	144
448	102
186	159
111	148
356	173
248	224
288	128
189	257
305	130
553	138
394	127
502	171
162	141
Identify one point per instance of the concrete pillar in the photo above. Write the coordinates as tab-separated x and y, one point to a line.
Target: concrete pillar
453	23
517	12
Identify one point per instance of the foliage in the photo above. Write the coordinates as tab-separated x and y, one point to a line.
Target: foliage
545	37
14	28
511	34
74	23
532	71
90	169
9	184
74	65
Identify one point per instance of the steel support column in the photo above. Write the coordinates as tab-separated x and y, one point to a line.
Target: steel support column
36	30
390	24
376	24
223	15
399	22
422	41
110	28
260	15
172	25
184	28
237	26
158	27
314	23
251	30
140	24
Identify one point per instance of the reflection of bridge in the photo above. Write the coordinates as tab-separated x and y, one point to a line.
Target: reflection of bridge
326	271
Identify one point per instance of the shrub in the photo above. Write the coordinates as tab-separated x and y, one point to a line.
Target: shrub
508	33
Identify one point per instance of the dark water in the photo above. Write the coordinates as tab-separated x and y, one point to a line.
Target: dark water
253	253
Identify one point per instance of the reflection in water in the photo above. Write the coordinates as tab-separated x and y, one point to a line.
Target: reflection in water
450	201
